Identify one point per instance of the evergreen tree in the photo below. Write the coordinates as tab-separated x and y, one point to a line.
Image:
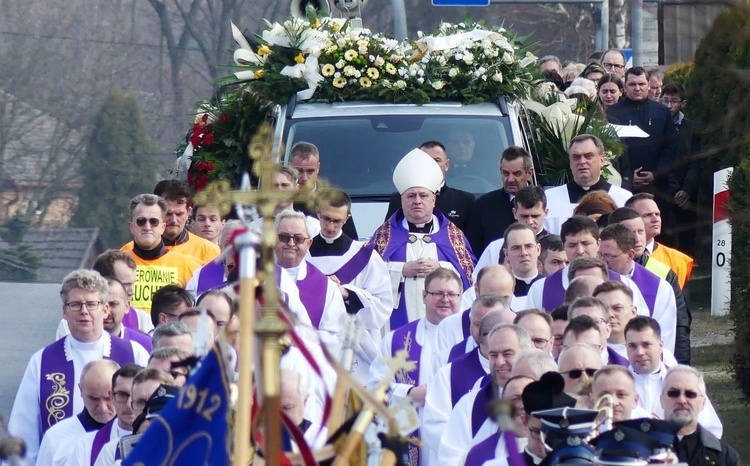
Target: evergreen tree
119	164
18	263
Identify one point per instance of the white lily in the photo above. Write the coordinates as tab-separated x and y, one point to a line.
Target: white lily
309	71
244	55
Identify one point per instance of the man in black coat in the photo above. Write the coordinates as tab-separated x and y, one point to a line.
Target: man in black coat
683	397
646	160
494	210
455	204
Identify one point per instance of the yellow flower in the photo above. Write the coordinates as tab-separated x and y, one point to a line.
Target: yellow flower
259	74
299	58
335	26
316	23
339	82
364	81
349	55
328	70
373	73
390	69
263	50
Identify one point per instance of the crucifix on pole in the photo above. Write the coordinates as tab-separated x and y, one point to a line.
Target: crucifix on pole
270	328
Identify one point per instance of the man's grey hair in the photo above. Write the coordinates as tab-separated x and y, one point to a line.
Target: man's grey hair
690	370
290	365
172	329
587	137
85	279
289	171
540	361
524	340
553	58
148	200
291	214
229	227
167	352
99	362
488	300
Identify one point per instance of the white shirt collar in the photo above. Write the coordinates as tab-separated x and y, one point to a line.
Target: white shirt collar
650	246
331	240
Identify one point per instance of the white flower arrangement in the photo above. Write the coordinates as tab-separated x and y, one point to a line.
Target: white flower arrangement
323	59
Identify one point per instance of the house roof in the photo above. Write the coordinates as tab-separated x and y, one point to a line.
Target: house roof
62	250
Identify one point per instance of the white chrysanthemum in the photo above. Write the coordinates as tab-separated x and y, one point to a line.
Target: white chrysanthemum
437	85
453	72
349	70
469	59
390	69
400	84
497	77
340	64
328	70
350	55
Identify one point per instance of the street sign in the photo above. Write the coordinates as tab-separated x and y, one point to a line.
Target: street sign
460	2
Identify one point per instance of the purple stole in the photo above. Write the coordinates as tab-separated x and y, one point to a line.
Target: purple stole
138	337
457	350
312	292
480	411
615	358
485	450
130	320
553	293
405	338
57	376
349	271
100	439
390	240
210	276
648	283
466	323
464	372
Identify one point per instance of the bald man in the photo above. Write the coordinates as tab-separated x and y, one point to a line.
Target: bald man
578	364
96	391
493	279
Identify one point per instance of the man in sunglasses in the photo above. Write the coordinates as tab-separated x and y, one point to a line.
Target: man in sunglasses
156	265
578	363
683	398
88	447
319	294
644	346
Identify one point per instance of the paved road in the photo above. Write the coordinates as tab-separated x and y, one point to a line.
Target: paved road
30	314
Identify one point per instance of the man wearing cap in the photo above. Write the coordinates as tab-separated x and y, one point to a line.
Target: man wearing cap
683	398
418	239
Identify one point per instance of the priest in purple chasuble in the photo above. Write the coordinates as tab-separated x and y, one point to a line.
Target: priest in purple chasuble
418	239
49	391
359	272
441	297
318	293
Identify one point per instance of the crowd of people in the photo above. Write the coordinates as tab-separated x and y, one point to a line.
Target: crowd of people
558	302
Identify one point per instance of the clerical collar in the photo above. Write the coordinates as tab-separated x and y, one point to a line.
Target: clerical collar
321	246
181	239
526	280
150	254
576	192
89	423
420	227
331	240
542	233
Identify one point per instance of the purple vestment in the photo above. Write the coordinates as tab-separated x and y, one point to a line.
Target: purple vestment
391	238
405	338
312	292
464	372
349	271
648	283
100	439
553	292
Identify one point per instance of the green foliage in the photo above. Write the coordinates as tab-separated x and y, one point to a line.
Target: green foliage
739	308
120	163
679	73
718	91
18	263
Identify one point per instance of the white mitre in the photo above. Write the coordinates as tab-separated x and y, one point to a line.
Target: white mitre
417	169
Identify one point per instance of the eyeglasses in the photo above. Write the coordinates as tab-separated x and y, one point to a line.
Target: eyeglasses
153	221
689	394
613	65
138	405
577	373
77	306
298	239
540	342
442	295
333	221
121	397
671	101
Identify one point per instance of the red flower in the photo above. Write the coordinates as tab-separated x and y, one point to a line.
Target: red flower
224	118
208	139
